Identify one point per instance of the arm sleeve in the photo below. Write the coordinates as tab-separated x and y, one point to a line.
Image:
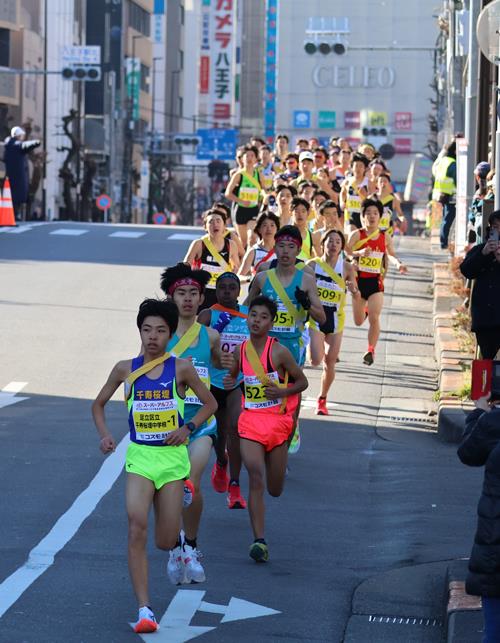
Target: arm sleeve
27	146
452	172
480	438
475	262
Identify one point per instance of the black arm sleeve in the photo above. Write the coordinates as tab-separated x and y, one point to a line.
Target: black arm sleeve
480	438
475	262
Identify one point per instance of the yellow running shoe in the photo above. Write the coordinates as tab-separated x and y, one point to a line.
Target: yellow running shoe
259	552
295	443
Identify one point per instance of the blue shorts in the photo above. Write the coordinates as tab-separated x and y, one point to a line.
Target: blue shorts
296	347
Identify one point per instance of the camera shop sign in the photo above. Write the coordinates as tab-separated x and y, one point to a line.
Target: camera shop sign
353	76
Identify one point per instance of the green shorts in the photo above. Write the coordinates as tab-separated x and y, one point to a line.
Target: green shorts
159	464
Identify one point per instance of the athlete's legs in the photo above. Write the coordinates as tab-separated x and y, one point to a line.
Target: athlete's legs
252	237
241	229
375	303
276	461
317	347
138	496
358	310
168	512
333	341
253	455
233	410
199	454
221	442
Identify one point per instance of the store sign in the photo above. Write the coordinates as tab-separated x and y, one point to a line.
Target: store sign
403	145
270	67
327	120
222	43
204	74
377	119
301	119
133	83
352	120
403	121
353	76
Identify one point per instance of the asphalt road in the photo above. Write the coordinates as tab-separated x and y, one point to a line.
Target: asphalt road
372	496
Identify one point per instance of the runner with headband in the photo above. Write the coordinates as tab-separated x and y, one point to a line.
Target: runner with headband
230	320
272	383
157	462
214	252
334	276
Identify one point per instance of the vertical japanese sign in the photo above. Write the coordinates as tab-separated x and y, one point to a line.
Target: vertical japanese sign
271	68
158	20
133	82
204	79
403	121
222	85
461	217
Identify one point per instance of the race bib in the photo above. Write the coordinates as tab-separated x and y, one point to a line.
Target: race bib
154	419
372	263
385	221
229	341
191	398
327	294
255	395
284	321
354	204
214	271
249	194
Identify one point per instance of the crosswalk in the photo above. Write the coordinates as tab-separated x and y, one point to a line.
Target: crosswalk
109	232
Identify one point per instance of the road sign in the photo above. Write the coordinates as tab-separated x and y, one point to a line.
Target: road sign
103	202
302	119
72	55
175	623
216	144
160	218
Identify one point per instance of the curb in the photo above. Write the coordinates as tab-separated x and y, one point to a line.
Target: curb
450	359
464	618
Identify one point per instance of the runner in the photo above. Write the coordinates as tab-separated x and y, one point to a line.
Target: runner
319	197
329	217
230	321
310	240
392	205
306	166
333	276
284	196
375	169
230	232
354	190
272	384
368	246
214	252
266	227
202	346
244	189
291	167
266	167
157	460
280	152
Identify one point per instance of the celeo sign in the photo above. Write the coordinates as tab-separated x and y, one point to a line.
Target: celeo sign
353	76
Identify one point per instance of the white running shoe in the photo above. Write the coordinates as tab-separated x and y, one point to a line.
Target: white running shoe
194	571
146	622
175	566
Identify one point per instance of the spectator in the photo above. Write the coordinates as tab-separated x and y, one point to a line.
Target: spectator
481	446
482	263
16	166
475	215
445	179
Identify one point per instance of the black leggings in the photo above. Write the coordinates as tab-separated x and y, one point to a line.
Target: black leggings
488	340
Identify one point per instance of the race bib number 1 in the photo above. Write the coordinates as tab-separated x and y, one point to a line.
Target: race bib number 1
328	295
371	263
283	322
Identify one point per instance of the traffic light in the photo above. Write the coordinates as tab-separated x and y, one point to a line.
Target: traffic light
325	47
82	72
186	140
374	131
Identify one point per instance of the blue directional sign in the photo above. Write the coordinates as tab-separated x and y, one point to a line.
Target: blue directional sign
216	144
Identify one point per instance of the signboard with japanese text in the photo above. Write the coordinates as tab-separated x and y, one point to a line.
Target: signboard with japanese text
271	76
403	121
74	55
403	145
378	119
216	144
133	83
327	120
352	120
461	216
222	48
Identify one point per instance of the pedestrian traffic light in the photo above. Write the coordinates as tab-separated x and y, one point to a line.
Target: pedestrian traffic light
82	72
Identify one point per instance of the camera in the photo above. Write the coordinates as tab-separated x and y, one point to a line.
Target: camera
272	200
494	235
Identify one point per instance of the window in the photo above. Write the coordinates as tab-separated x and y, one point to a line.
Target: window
4	47
138	18
144	78
181	59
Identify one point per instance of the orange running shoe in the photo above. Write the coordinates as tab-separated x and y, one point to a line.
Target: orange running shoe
234	498
219	477
321	406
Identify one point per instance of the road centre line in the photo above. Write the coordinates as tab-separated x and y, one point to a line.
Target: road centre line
41	557
14	387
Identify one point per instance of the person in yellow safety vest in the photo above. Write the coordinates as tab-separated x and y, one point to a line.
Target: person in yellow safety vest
445	185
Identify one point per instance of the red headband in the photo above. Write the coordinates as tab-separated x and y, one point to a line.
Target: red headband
286	237
184	281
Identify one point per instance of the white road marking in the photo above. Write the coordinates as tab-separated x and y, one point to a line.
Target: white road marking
127	235
18	230
69	232
42	556
183	236
8	394
175	623
310	403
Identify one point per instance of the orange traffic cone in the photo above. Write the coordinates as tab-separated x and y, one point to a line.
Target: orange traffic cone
7	217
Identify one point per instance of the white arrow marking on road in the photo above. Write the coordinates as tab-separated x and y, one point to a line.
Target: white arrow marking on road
8	394
237	610
175	624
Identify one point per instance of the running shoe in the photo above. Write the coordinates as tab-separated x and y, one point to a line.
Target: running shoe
191	558
295	443
175	567
321	406
369	357
188	493
259	552
219	477
234	498
146	623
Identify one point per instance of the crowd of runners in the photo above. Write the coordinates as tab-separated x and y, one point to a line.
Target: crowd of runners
221	360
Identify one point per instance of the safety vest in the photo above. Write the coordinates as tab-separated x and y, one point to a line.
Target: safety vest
443	184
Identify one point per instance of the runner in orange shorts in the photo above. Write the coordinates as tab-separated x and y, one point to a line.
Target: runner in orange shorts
272	382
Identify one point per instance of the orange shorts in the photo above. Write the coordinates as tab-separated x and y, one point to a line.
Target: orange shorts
269	429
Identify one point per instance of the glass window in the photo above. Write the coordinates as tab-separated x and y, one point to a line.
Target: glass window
4	47
144	78
138	18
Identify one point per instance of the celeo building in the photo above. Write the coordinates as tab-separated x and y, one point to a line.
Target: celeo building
360	70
